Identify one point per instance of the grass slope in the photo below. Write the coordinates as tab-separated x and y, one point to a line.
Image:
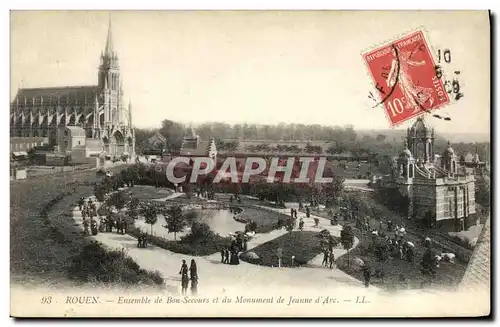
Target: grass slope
303	245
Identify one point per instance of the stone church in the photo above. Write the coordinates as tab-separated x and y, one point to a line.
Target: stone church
440	191
65	114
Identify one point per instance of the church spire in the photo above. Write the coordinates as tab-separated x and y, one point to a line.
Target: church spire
130	112
109	50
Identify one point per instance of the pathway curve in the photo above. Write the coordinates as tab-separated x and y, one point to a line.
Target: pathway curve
217	278
309	225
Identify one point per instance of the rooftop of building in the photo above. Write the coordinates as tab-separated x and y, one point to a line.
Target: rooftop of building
62	94
76	131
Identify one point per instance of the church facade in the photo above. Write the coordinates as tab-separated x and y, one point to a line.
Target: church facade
439	190
96	111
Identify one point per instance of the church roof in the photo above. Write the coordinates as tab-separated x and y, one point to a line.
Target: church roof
74	94
157	139
200	150
478	272
421	126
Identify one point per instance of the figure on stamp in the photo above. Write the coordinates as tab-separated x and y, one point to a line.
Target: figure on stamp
414	96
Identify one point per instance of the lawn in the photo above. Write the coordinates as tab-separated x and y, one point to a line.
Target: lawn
44	238
267	220
303	245
448	274
351	171
149	192
184	199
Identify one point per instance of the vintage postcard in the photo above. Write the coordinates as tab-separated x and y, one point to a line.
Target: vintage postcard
250	164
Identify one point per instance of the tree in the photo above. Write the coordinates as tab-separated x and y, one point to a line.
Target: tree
200	232
99	192
104	211
173	132
482	194
118	200
333	190
150	214
347	240
175	219
132	207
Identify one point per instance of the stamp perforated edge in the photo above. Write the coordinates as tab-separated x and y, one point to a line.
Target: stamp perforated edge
369	73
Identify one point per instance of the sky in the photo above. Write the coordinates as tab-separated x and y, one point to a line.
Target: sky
261	67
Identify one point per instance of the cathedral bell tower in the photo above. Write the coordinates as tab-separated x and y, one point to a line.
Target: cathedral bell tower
109	82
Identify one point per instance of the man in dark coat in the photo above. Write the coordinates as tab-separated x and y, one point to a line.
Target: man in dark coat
325	258
367	274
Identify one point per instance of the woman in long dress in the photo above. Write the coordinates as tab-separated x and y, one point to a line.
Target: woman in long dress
193	272
414	96
184	277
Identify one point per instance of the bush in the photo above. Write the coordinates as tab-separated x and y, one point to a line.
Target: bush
95	263
299	260
188	245
199	231
252	226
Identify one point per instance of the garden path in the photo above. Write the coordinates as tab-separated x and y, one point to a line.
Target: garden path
218	278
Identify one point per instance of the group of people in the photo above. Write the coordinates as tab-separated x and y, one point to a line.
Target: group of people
328	258
106	224
88	209
187	275
230	255
400	248
142	240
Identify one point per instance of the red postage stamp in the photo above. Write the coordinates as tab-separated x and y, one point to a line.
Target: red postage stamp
404	75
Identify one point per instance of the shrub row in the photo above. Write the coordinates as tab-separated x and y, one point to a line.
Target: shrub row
211	244
56	234
97	264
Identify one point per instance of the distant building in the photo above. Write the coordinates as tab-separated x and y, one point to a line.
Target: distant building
24	144
155	145
440	191
97	110
192	146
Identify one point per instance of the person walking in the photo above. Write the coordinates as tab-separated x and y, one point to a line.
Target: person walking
222	254
226	255
367	274
193	274
331	258
184	277
325	258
